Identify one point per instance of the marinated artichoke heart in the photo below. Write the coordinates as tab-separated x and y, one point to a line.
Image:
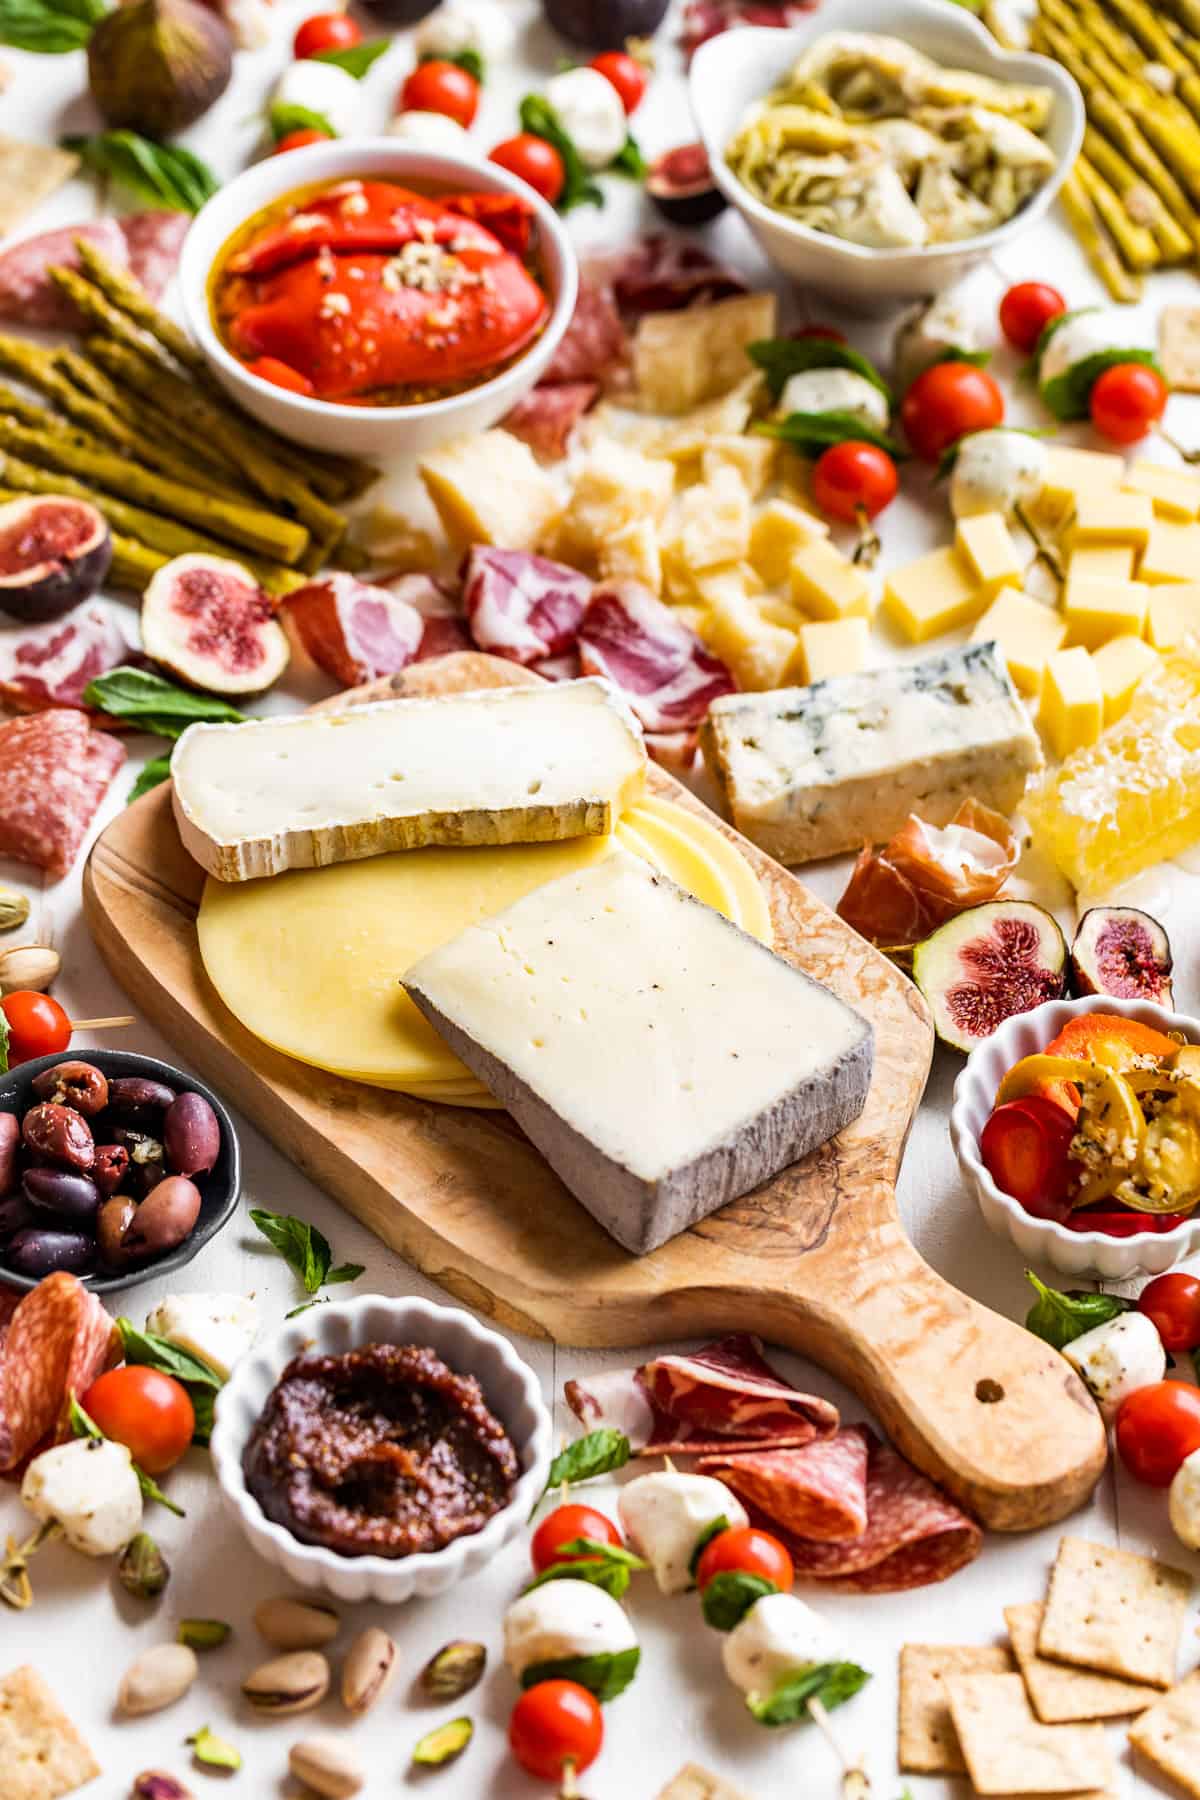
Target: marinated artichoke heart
873	142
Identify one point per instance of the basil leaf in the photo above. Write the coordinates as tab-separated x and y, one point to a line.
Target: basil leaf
830	1683
167	175
781	358
1067	395
84	1426
579	189
204	1406
1060	1318
153	774
283	117
630	161
616	1553
155	704
612	1577
154	1352
356	59
470	60
49	27
978	359
729	1596
599	1453
3	1045
811	433
711	1531
305	1249
345	1272
605	1675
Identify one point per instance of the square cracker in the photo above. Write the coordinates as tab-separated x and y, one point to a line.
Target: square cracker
1062	1695
1008	1750
1114	1611
928	1741
1169	1734
1179	347
695	1783
41	1754
29	174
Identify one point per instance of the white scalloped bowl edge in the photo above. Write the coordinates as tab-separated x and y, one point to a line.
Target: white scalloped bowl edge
1090	1253
510	1389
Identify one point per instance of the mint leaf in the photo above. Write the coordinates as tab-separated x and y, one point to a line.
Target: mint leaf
605	1675
830	1683
305	1249
781	358
579	189
356	59
599	1453
345	1272
1058	1319
729	1596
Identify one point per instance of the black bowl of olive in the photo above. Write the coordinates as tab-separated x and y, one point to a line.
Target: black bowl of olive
113	1166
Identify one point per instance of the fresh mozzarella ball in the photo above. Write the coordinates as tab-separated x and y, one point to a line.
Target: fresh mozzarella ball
779	1636
834	390
1118	1358
1085	335
89	1488
1183	1501
322	88
664	1516
564	1619
218	1328
458	25
437	130
929	335
590	112
996	471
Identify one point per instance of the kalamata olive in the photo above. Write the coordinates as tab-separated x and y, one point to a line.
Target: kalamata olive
10	1139
36	1252
191	1135
60	1134
78	1084
15	1214
136	1095
109	1167
112	1222
72	1197
164	1219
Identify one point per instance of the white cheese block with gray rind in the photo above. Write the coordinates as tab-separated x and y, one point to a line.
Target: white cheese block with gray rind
519	765
662	1060
814	771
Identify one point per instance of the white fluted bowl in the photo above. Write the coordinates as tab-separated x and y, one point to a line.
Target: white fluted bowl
1091	1253
510	1389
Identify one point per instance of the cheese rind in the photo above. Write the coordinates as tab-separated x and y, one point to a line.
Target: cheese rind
810	772
506	766
661	1060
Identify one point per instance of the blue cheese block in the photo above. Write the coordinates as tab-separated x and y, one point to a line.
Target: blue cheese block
811	772
662	1060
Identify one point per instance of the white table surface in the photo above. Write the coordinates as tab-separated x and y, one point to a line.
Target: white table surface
83	1631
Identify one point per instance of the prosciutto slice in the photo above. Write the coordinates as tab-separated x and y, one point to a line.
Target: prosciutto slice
664	671
522	606
704	19
818	1491
52	664
59	1339
353	631
928	874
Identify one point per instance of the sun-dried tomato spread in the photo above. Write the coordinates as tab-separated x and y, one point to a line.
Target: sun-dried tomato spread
381	1452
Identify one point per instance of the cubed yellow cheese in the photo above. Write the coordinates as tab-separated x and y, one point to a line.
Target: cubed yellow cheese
686	438
777	610
986	543
752	458
1173	553
490	489
1027	632
1073	474
731	581
826	584
1111	517
1174	493
615	487
757	653
682	358
1104	562
1174	615
694	617
1072	710
934	594
714	521
830	647
1120	665
778	531
632	554
1097	610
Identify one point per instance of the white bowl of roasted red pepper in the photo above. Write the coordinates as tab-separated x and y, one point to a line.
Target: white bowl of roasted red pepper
371	298
381	1448
1078	1127
113	1166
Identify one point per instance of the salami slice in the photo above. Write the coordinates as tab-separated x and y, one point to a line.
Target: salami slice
704	19
659	665
548	415
819	1491
52	664
664	274
59	1340
594	344
153	241
54	770
27	293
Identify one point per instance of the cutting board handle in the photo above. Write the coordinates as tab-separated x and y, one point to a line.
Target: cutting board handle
983	1406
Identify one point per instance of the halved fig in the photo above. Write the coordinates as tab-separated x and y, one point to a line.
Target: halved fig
1122	952
987	964
681	186
54	552
208	622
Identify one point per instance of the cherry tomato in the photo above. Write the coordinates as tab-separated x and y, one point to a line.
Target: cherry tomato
1127	401
630	77
948	402
325	31
280	374
37	1026
1173	1302
564	1524
851	479
147	1411
1026	1149
1156	1428
555	1726
1026	310
441	87
744	1551
299	140
533	160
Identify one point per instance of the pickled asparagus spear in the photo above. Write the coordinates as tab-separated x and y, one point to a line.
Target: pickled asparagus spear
1096	244
91	381
1142	23
1135	242
1137	196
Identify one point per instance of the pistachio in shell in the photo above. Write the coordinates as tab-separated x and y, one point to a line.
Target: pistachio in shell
156	66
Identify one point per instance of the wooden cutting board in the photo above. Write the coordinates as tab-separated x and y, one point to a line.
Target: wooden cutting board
815	1260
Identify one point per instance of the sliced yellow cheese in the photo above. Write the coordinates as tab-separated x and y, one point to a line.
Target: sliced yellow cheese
1104	562
936	593
1174	493
1072	475
1097	610
826	584
1172	554
754	913
1111	517
660	840
1071	715
1027	632
986	543
1174	615
830	647
490	489
1120	665
778	531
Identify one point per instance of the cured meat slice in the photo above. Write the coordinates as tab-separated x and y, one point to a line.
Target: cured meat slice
704	19
354	631
27	293
818	1491
54	770
674	749
153	241
51	665
59	1340
926	875
661	667
665	274
594	344
548	415
522	606
559	668
443	636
